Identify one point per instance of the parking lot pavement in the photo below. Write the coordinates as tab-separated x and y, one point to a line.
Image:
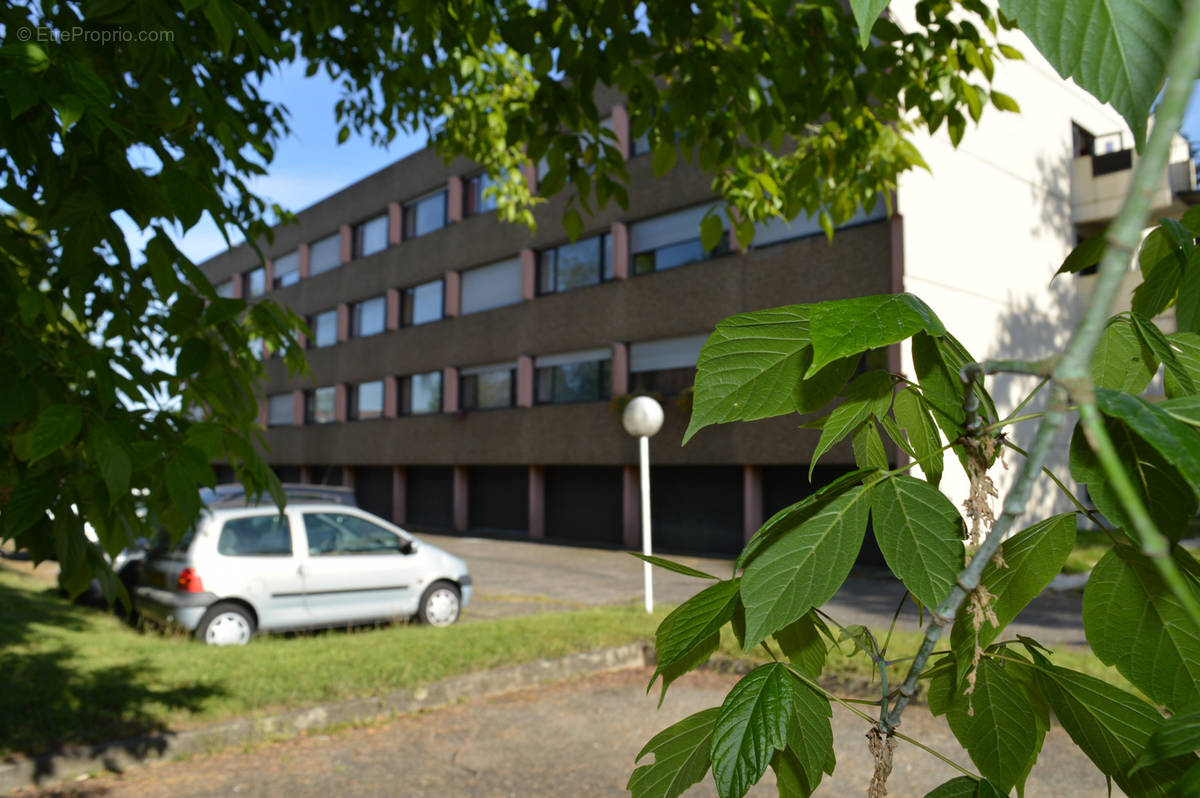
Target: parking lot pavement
516	577
575	739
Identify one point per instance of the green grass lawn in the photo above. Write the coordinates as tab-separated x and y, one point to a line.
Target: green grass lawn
80	675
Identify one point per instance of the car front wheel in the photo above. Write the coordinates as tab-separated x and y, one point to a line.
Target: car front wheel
440	604
225	624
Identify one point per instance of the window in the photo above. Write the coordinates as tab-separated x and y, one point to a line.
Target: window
667	366
583	263
488	387
371	236
320	405
368	317
776	229
423	303
673	240
256	536
286	270
576	377
325	254
425	215
255	281
422	394
491	286
324	329
366	401
340	533
279	410
224	289
475	200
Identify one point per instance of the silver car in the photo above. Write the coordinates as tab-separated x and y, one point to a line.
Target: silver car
243	569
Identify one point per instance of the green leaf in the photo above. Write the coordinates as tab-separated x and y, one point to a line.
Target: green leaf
711	230
802	644
116	467
916	420
572	223
966	787
868	447
1122	360
28	503
1034	556
1111	726
193	355
1157	289
1005	103
938	362
670	565
1116	51
685	664
845	327
1161	347
805	566
1165	493
1185	408
1175	441
1187	304
681	757
1187	354
995	723
920	534
56	426
1135	623
221	24
754	722
1087	253
753	366
1177	736
809	748
868	396
182	488
693	622
865	14
664	157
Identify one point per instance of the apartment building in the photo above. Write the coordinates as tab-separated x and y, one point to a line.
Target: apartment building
467	375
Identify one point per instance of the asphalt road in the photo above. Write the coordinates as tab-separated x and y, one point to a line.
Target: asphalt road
576	740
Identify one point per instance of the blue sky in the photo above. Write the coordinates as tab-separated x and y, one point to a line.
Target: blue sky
310	165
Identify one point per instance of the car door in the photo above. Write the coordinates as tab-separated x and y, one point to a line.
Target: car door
256	559
356	569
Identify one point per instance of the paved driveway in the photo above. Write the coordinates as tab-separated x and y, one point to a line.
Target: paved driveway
514	577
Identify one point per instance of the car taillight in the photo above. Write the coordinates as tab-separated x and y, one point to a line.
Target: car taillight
190	581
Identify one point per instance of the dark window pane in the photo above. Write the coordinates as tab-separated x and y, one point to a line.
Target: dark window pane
578	265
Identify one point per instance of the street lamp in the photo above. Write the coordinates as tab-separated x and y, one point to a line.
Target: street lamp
642	418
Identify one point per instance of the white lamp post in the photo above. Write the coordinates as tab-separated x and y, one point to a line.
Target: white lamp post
642	418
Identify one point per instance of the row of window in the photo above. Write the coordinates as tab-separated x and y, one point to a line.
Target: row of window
666	366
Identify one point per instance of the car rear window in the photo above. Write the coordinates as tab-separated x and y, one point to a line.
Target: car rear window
256	536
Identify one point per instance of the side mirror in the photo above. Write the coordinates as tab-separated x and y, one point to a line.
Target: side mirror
407	546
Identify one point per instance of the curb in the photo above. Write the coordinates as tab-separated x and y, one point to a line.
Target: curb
122	755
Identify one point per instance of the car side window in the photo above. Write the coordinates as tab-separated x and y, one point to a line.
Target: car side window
256	536
338	533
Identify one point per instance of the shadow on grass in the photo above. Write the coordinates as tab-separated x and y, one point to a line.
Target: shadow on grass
55	702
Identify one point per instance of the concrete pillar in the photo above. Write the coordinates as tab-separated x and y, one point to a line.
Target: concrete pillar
393	309
343	322
237	281
529	171
305	475
298	408
734	246
620	125
268	275
395	223
528	274
453	290
524	381
339	402
262	411
631	509
304	261
752	501
399	494
391	394
620	368
460	498
537	502
348	477
454	200
347	253
450	389
620	251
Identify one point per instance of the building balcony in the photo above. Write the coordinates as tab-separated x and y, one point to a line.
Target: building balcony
1100	182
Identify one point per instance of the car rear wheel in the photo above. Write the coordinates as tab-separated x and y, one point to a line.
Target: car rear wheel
440	604
225	624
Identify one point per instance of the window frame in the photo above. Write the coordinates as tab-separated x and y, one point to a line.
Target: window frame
312	326
357	311
409	303
359	250
310	402
406	393
604	265
466	394
411	217
354	401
